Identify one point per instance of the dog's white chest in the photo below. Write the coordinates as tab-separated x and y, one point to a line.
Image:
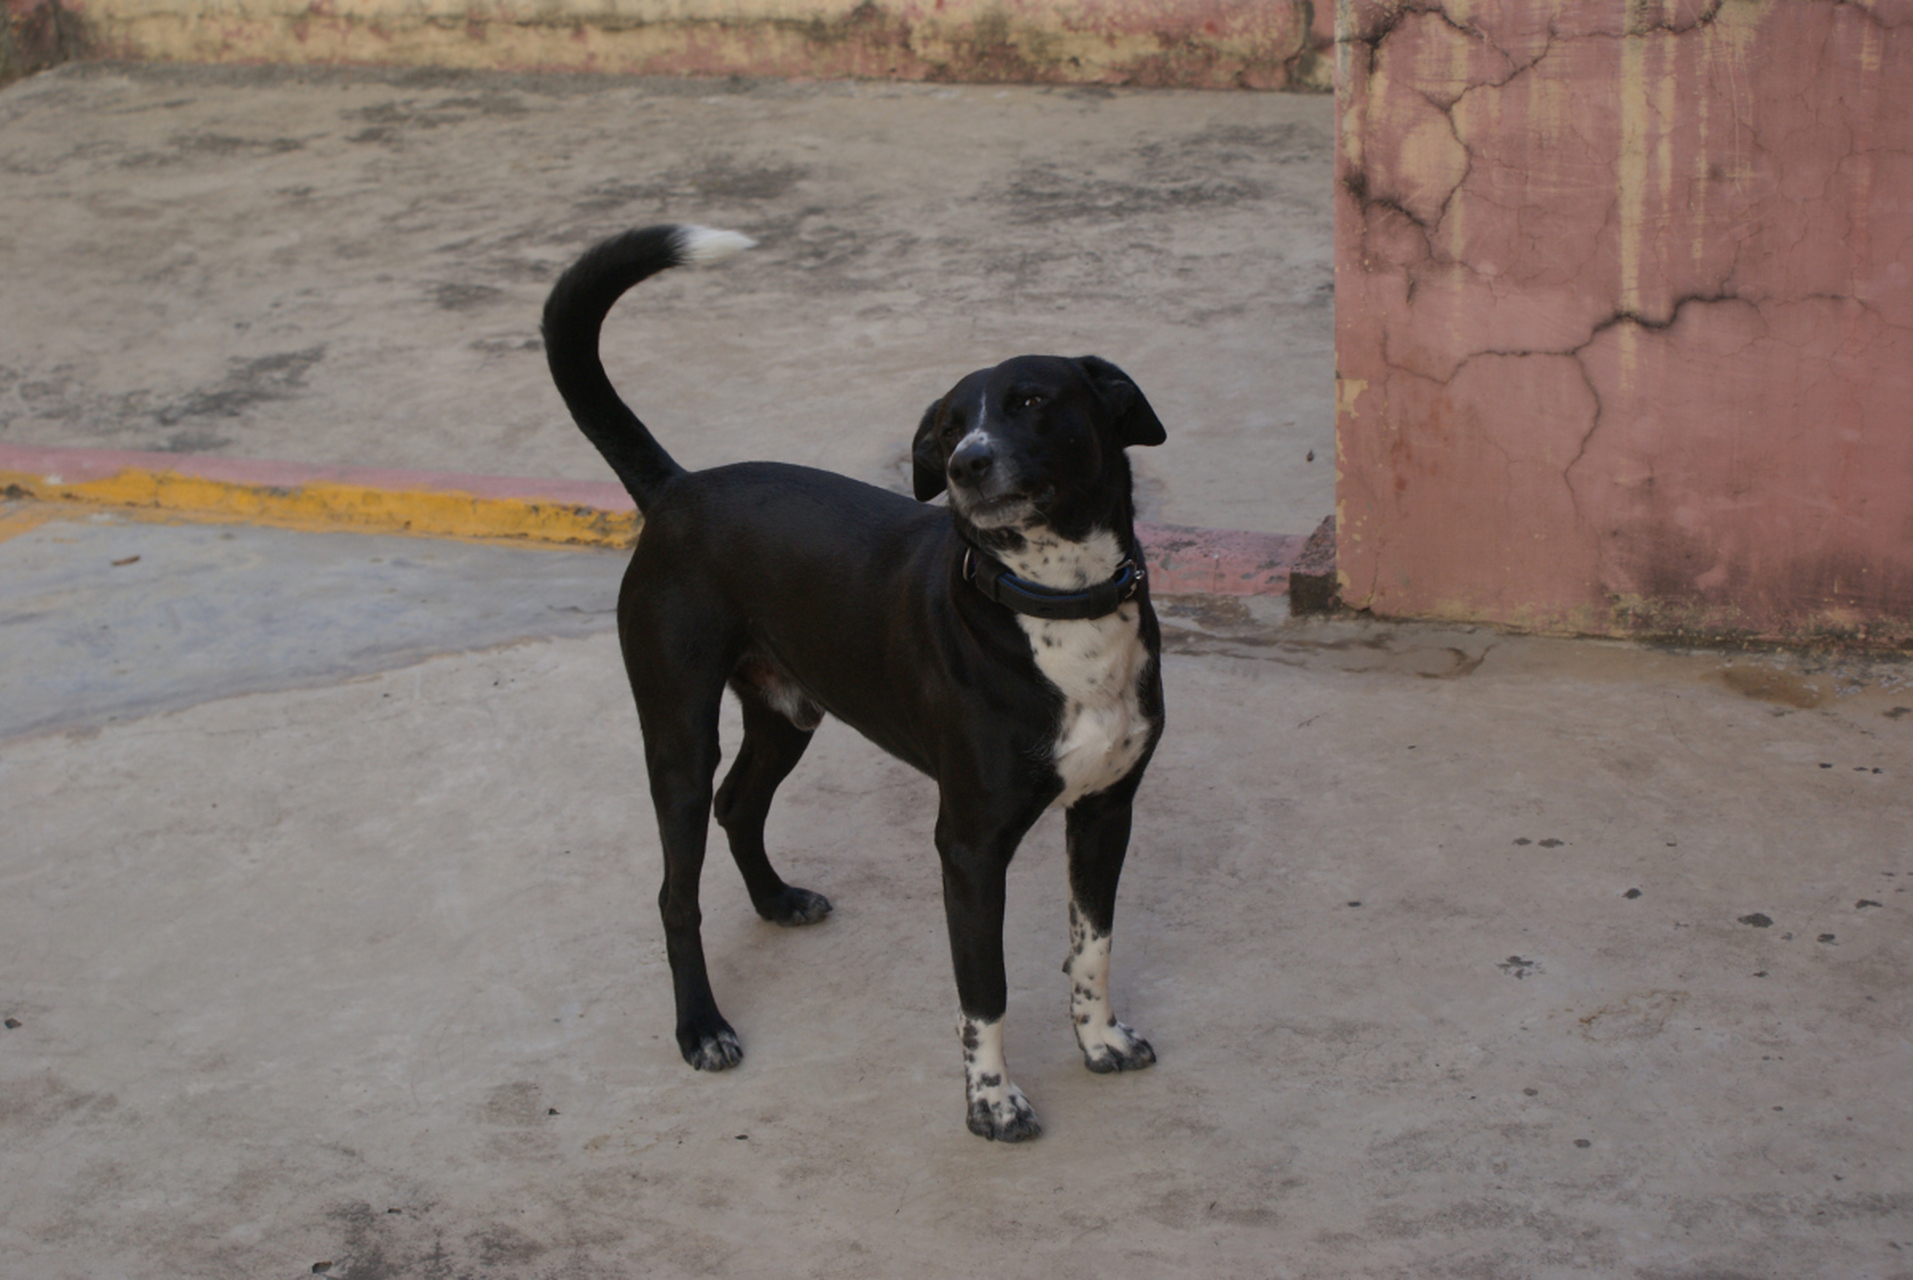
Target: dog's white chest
1098	665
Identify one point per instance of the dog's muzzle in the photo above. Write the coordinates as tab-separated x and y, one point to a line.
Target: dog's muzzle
973	463
985	486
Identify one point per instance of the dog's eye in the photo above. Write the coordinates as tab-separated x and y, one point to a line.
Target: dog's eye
1030	401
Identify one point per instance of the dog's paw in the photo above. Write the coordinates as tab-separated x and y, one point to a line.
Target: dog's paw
1114	1046
714	1050
1003	1114
794	906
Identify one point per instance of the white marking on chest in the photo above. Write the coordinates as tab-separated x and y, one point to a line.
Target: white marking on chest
1098	664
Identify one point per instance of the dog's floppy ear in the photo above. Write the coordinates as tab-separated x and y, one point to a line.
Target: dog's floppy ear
1136	422
926	459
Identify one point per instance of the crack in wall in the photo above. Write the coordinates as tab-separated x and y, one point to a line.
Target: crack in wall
1471	239
1638	320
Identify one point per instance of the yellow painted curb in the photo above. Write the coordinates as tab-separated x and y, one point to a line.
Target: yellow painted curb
315	505
438	504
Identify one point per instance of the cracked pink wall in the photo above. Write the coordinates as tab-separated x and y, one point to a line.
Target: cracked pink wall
1624	314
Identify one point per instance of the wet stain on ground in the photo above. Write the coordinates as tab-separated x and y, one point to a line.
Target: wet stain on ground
1046	192
463	297
1769	684
191	146
250	381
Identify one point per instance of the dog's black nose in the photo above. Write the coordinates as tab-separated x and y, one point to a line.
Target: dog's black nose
971	461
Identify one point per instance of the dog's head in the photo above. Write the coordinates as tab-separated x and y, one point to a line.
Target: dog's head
1032	441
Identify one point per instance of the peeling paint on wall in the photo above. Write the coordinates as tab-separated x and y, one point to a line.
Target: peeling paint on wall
1624	314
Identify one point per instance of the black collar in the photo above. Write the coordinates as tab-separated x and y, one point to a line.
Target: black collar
989	576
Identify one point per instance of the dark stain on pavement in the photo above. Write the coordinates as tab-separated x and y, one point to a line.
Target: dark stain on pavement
464	297
259	380
1769	684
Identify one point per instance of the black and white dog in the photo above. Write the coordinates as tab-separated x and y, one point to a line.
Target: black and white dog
1004	646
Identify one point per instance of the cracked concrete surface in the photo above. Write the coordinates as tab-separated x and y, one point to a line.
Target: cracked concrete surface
1625	324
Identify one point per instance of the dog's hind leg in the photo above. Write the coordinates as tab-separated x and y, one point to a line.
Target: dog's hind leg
677	677
773	743
1097	830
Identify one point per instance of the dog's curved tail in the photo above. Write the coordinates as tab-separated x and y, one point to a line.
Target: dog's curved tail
574	314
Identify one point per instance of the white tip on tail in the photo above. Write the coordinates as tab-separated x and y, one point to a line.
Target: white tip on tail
700	246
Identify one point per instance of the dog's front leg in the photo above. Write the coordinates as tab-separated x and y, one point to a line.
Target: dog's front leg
1097	829
974	872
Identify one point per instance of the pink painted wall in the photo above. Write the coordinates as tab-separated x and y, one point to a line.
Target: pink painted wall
1624	314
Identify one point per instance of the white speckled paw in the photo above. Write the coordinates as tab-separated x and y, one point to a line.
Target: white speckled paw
1003	1114
1114	1046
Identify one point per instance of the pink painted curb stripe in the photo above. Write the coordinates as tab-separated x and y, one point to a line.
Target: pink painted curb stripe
1182	560
1217	562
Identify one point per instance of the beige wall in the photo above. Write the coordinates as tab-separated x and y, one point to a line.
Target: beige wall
1256	44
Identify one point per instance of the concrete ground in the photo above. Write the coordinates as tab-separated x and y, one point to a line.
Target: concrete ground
327	936
1465	955
347	268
